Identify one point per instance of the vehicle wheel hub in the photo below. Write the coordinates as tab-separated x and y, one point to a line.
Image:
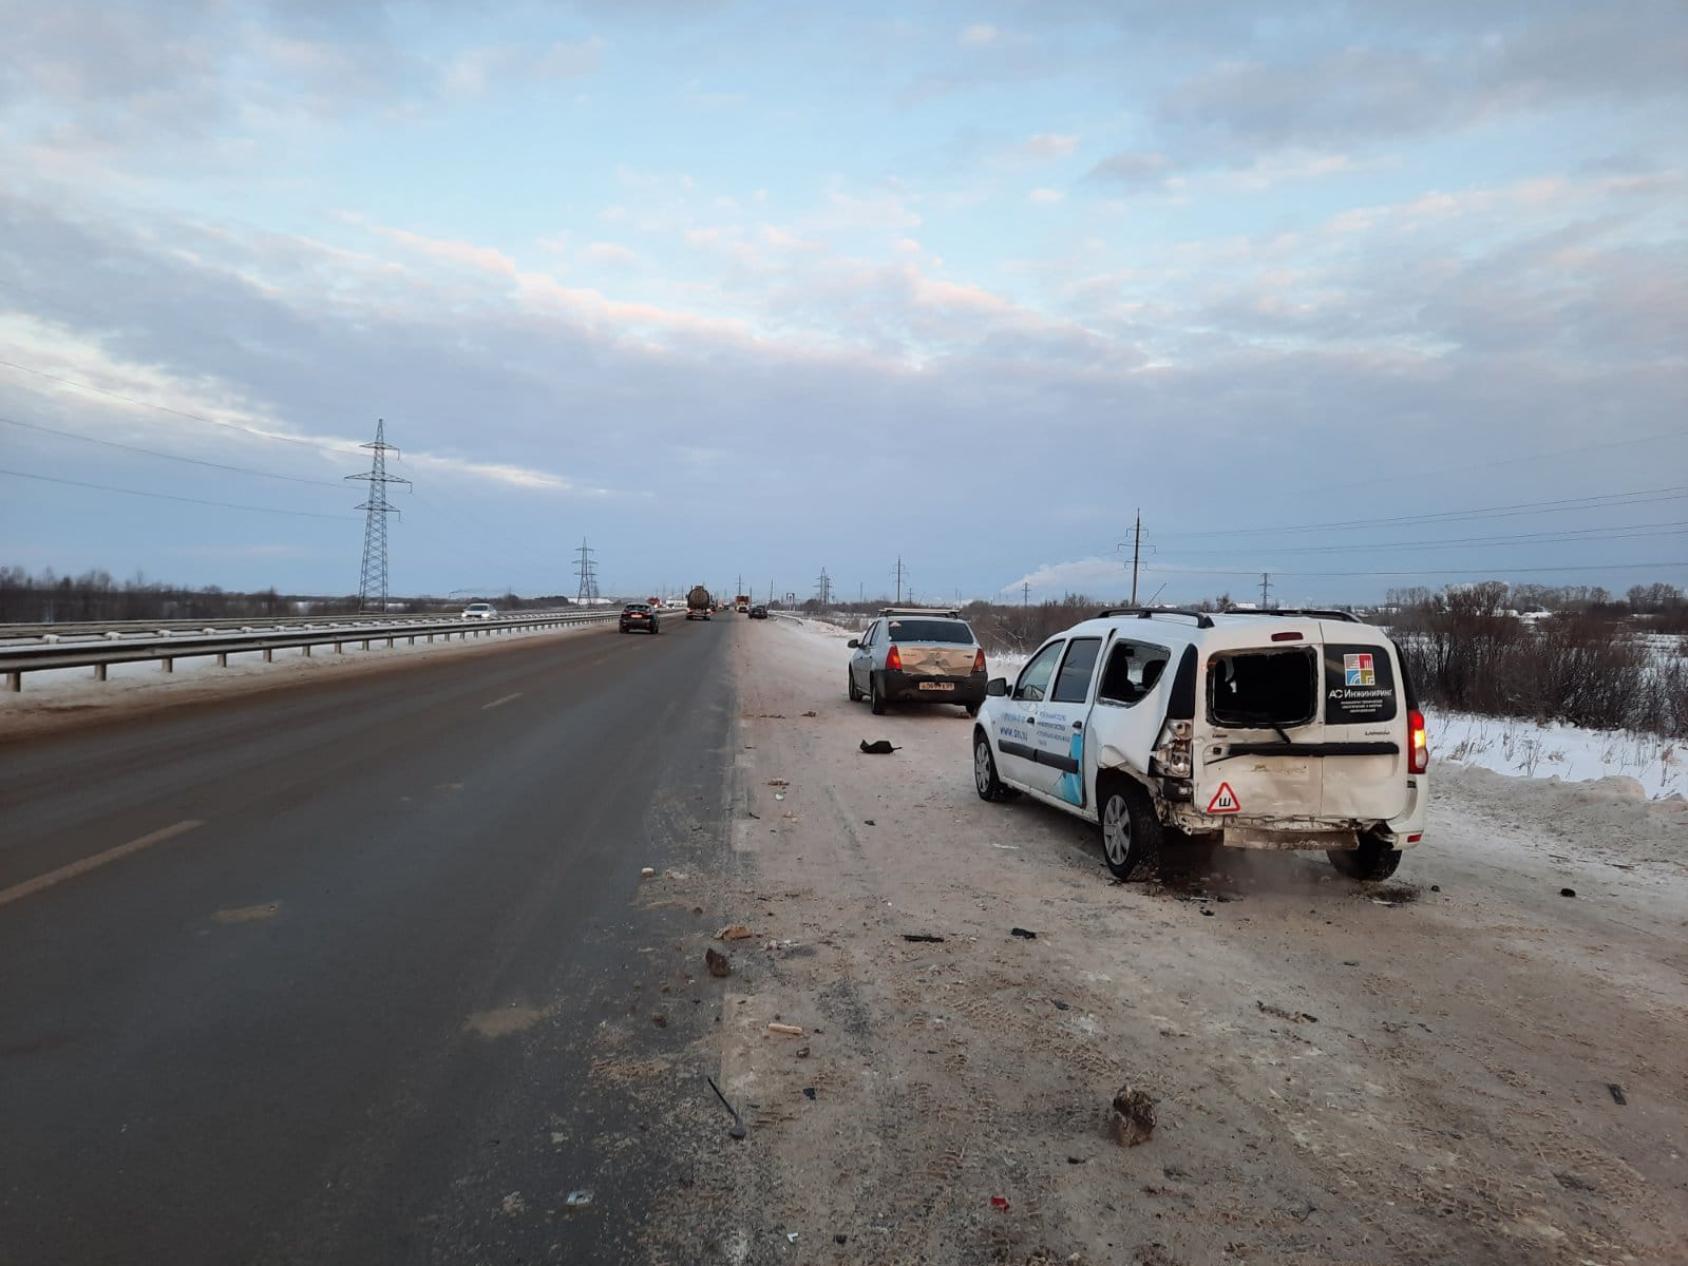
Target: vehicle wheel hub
982	766
1116	830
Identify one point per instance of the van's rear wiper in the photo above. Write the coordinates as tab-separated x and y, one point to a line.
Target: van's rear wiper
1265	719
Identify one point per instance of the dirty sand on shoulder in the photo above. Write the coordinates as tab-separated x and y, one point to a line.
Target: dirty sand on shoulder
1424	1071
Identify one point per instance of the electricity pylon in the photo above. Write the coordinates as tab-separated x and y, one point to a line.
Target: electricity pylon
372	580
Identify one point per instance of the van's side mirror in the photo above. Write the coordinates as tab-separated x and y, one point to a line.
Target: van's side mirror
853	643
997	687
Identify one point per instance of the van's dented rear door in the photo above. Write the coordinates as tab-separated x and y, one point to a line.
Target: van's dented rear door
1260	703
1363	708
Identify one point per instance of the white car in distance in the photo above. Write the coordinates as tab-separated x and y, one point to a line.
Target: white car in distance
479	611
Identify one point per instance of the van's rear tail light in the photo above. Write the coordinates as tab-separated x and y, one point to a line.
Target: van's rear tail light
894	659
1418	744
1286	637
1171	756
979	660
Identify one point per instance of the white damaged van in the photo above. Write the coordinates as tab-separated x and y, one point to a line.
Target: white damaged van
1273	729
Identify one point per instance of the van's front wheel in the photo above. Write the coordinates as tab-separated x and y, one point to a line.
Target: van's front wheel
1131	834
1373	860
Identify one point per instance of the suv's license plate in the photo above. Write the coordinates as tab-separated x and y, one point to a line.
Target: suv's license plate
937	685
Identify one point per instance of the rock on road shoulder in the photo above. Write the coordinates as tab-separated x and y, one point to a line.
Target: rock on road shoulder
1341	1072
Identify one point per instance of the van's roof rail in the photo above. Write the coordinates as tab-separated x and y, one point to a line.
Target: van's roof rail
950	613
1202	618
1324	613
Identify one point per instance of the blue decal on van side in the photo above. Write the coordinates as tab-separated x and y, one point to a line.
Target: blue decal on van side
1071	786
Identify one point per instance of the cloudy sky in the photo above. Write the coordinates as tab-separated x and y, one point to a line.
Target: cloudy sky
764	287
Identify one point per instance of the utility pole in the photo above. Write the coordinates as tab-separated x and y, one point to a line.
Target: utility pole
587	591
1136	553
372	581
823	588
1025	593
900	580
1265	589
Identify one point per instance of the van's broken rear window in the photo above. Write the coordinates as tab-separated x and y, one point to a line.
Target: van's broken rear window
1263	689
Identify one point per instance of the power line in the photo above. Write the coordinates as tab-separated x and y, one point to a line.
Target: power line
1614	532
1525	460
321	445
174	457
1642	496
165	496
1426	571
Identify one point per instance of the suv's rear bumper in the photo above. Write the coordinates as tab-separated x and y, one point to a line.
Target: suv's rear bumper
924	688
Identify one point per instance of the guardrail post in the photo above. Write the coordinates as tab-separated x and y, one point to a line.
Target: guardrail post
222	659
366	643
168	663
306	648
99	672
339	648
390	642
14	681
269	654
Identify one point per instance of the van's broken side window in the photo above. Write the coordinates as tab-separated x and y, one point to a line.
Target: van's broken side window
1262	689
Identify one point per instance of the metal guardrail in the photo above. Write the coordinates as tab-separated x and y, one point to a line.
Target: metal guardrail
84	629
167	648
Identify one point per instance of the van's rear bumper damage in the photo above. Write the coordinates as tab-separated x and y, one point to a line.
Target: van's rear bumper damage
1292	834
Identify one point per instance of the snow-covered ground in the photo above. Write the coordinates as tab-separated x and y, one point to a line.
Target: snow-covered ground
1536	749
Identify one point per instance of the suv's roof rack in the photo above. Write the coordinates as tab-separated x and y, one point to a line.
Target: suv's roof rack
946	612
1323	613
1202	618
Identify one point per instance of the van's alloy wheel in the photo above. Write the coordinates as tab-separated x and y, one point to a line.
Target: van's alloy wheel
1131	834
985	781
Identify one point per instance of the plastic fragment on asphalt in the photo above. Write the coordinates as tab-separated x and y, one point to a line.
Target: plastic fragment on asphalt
784	1030
578	1199
1023	934
649	872
1000	1203
734	932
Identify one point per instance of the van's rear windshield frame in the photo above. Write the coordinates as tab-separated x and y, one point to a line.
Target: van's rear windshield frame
1307	650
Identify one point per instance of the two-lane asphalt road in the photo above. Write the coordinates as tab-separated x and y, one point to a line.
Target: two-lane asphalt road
317	975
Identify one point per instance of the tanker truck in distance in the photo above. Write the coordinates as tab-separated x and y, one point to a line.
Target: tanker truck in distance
698	603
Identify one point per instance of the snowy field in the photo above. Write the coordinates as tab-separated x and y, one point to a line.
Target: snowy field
1569	753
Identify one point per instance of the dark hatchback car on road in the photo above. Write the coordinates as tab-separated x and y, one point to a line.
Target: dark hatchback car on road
758	613
638	617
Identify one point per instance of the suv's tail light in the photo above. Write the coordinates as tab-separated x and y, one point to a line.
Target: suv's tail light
979	660
1418	744
1172	753
894	659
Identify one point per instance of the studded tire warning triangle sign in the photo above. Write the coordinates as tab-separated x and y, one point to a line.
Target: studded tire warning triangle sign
1224	800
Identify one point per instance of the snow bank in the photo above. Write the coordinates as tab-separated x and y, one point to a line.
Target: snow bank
1569	753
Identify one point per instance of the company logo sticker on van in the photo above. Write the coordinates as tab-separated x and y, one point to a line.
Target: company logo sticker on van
1358	670
1224	800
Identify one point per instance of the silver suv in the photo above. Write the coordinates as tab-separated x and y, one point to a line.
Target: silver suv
915	655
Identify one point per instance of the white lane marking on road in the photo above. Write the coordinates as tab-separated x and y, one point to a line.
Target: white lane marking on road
485	707
31	886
